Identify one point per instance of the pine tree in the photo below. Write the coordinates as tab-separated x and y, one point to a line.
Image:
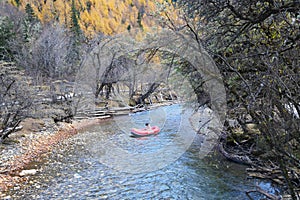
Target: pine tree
75	37
17	3
139	19
75	28
6	34
88	6
30	16
29	23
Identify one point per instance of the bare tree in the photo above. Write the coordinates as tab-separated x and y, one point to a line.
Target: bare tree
10	27
15	100
256	46
46	57
112	75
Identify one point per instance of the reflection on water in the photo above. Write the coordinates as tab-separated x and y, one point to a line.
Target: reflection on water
74	171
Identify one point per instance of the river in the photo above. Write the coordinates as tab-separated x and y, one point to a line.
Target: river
86	166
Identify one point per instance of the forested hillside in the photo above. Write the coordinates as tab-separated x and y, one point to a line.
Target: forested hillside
94	16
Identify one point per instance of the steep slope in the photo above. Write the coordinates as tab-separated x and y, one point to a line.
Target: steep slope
94	16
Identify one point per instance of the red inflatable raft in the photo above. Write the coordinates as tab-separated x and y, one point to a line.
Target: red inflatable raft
145	132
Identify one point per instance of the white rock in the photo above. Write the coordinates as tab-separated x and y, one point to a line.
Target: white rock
28	172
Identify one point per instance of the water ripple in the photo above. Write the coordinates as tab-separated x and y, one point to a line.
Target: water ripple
73	172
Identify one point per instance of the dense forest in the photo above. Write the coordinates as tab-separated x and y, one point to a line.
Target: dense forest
254	44
94	17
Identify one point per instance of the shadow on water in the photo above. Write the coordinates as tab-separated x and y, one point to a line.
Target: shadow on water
73	171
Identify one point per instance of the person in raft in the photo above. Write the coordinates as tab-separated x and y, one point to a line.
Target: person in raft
148	127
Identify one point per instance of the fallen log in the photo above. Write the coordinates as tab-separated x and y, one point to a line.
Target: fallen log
263	192
264	169
273	174
11	128
276	179
4	133
235	158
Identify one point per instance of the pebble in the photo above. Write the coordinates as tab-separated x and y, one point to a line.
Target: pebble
28	172
17	188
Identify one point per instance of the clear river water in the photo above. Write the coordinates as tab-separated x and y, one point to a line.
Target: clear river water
97	164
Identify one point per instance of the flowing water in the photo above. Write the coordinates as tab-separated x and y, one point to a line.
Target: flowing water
86	166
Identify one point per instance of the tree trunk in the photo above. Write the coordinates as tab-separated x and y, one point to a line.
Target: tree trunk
151	89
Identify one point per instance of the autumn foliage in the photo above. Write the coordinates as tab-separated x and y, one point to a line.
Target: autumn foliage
94	16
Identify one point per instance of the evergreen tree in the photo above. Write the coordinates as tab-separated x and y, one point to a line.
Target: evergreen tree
75	37
139	20
75	28
17	3
30	16
6	34
29	24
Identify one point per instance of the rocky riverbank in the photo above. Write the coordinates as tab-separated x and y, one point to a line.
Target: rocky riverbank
36	139
32	144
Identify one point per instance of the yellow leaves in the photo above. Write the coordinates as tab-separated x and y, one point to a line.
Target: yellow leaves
104	11
89	32
151	5
64	12
86	24
106	27
111	5
105	16
45	11
13	2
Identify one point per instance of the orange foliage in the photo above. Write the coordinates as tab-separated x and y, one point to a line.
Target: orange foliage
105	16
